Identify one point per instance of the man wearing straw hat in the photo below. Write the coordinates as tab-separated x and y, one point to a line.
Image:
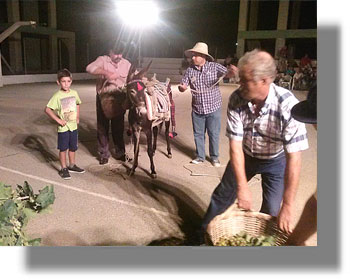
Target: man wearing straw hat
203	77
264	139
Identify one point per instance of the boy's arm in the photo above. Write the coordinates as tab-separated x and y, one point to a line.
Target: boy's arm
53	116
78	113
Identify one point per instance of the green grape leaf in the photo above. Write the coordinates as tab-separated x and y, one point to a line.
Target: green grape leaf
34	242
7	210
46	197
5	192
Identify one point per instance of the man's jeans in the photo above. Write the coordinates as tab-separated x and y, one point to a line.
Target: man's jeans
272	175
207	123
103	124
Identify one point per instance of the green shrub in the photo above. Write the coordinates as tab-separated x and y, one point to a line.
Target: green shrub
16	207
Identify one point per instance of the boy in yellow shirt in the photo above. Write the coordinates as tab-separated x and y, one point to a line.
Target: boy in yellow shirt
63	107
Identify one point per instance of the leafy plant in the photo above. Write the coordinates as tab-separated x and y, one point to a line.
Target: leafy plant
245	239
16	207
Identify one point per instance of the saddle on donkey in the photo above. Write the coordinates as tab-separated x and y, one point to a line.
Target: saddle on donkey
158	102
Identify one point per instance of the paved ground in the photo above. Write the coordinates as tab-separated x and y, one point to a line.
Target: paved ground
104	206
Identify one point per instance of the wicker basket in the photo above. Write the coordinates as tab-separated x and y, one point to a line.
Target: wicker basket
234	221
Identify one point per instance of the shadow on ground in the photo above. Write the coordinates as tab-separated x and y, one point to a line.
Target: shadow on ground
37	143
88	137
188	211
181	203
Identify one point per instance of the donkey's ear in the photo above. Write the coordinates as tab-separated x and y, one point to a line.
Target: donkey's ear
145	70
131	73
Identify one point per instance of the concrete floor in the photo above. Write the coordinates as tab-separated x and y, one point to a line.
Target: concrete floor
104	206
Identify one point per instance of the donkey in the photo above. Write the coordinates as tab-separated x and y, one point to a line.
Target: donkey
139	120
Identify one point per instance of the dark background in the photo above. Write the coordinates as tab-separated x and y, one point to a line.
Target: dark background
182	23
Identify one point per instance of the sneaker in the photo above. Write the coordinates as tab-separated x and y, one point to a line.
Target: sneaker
64	173
197	161
76	169
215	163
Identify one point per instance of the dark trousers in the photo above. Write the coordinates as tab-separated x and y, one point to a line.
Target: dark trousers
117	127
272	175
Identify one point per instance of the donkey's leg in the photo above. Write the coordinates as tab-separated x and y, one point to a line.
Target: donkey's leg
167	125
155	136
136	136
150	151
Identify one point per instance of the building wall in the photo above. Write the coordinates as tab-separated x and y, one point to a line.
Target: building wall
35	50
272	24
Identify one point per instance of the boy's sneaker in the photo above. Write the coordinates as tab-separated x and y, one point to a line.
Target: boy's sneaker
197	161
76	169
64	173
215	163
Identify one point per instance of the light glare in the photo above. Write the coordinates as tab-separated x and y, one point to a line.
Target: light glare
138	13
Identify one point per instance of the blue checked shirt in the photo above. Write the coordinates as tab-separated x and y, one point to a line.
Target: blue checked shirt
206	98
266	136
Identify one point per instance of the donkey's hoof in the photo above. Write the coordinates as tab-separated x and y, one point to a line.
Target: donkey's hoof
154	176
170	155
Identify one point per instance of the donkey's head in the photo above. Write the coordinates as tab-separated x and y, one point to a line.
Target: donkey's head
135	84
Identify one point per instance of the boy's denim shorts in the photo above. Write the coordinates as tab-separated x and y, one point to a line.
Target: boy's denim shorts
67	140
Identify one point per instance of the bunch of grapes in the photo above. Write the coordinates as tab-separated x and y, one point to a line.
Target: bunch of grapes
245	239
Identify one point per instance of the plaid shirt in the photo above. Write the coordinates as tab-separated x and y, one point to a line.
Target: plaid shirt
206	98
266	136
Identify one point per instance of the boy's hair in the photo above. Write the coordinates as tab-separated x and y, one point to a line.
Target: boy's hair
63	73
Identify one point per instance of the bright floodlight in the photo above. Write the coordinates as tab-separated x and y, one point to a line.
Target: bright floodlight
138	13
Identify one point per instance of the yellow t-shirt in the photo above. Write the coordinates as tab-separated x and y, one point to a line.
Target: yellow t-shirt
65	106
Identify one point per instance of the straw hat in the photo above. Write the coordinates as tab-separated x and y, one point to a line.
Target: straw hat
306	111
199	48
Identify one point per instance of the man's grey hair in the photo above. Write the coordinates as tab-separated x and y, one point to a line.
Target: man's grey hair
261	63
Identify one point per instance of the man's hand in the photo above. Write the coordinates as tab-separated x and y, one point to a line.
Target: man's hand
285	217
244	198
232	71
182	87
232	68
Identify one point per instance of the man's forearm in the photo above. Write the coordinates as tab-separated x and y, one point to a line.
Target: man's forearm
98	71
291	181
237	163
291	177
244	196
